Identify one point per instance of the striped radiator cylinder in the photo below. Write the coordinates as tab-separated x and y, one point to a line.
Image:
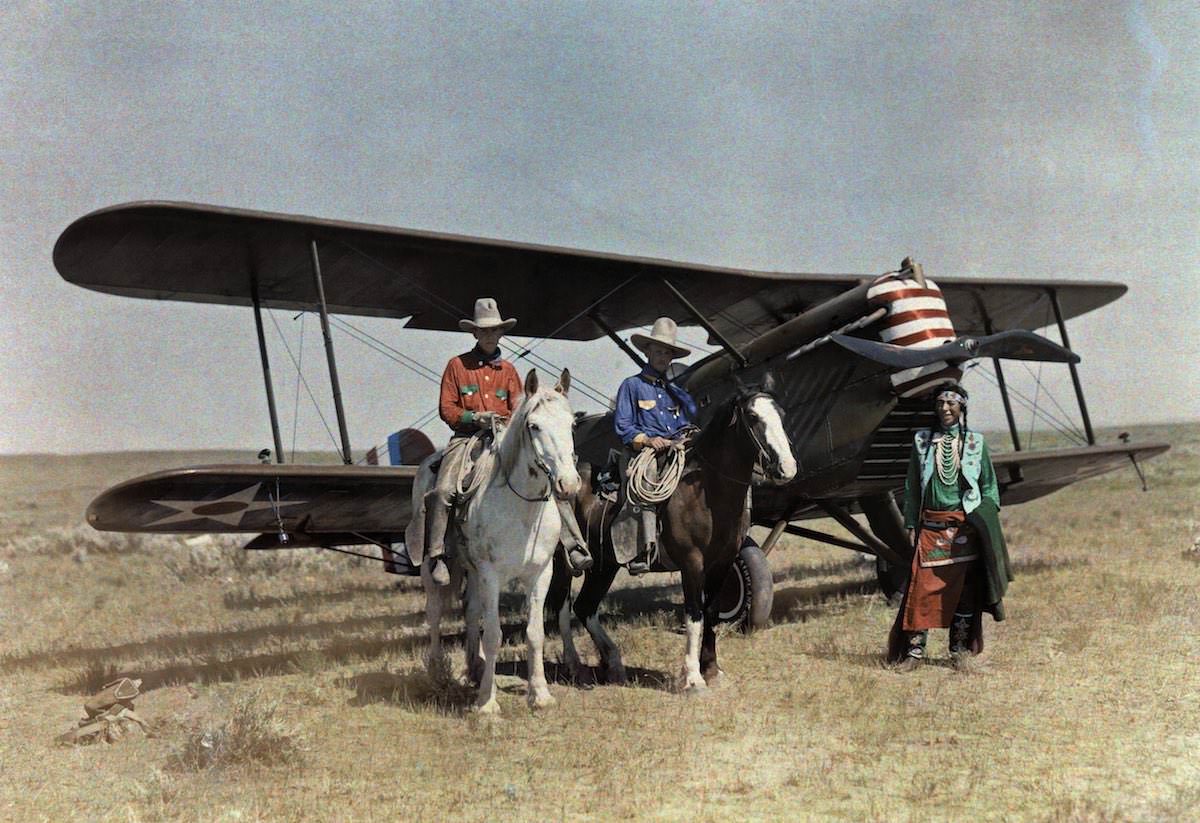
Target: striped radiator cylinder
916	318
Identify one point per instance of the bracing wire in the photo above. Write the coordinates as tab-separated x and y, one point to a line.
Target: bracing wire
1037	393
1060	426
300	374
591	392
1065	414
433	299
393	354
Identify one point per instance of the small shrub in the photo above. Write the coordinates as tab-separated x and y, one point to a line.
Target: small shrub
250	735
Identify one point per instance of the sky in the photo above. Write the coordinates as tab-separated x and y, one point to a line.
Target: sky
986	139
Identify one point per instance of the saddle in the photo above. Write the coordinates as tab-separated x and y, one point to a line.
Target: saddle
626	531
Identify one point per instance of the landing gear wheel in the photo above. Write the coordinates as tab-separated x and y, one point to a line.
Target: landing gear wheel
745	599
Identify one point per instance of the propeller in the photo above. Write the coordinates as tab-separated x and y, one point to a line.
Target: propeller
1006	345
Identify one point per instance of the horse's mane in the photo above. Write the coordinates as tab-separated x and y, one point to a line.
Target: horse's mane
509	445
718	423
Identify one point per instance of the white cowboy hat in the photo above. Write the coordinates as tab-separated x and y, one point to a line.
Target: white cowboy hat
487	316
663	333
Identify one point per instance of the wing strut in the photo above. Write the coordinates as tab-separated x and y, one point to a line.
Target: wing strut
333	375
616	338
703	321
1062	333
266	365
1003	386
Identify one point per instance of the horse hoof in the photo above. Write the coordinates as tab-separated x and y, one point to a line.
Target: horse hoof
542	701
715	679
692	685
616	676
488	709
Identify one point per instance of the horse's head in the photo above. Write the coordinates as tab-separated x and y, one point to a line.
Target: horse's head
762	416
546	419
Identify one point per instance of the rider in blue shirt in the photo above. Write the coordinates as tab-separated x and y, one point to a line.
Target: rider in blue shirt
650	412
650	408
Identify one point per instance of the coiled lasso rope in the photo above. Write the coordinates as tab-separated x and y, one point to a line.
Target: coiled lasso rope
479	465
642	488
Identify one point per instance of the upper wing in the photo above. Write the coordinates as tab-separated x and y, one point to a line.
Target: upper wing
208	254
305	500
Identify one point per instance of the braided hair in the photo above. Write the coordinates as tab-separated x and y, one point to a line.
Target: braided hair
962	420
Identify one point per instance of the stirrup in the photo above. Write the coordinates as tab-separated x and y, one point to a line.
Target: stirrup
439	572
638	565
579	560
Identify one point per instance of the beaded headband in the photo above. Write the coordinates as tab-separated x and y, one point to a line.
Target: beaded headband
954	397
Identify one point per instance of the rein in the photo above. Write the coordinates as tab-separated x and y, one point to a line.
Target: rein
739	416
467	466
539	463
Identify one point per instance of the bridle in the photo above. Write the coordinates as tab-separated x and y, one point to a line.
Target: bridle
765	457
539	462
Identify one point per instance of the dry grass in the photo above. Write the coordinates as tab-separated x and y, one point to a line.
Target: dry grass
1085	706
250	733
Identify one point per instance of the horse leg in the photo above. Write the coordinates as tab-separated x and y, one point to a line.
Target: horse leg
691	680
558	602
488	591
539	696
472	613
596	583
714	581
435	656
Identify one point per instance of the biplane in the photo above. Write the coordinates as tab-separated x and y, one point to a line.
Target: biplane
821	336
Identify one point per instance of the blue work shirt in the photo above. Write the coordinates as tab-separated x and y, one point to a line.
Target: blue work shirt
645	406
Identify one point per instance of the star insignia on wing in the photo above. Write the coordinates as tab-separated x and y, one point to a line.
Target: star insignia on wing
228	510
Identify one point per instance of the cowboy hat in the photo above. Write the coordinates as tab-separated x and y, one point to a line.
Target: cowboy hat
487	316
662	333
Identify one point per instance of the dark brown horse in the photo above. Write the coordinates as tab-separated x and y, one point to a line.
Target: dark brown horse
703	525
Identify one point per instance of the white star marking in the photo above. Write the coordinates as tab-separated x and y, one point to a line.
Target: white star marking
227	510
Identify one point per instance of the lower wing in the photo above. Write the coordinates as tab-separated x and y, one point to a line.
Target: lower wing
1028	475
292	499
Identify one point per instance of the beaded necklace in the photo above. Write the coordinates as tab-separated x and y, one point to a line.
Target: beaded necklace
947	459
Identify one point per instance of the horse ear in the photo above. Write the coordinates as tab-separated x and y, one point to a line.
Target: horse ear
564	382
768	384
531	382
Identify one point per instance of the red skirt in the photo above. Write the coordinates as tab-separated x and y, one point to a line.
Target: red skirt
947	549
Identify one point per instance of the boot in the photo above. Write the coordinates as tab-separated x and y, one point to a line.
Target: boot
915	655
647	542
579	559
437	520
960	639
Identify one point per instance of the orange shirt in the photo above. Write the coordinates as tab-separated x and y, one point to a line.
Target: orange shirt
471	385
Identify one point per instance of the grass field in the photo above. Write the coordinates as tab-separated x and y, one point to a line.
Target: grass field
290	686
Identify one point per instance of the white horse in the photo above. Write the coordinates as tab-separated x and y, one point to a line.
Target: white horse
511	531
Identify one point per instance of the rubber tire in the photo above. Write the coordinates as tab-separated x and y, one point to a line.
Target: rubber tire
749	591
